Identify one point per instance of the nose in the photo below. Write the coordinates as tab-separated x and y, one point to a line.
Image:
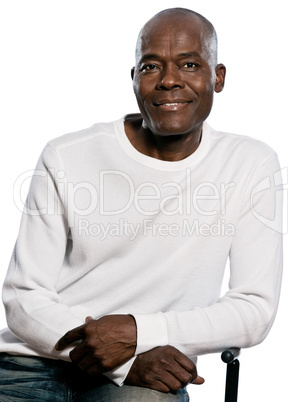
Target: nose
170	78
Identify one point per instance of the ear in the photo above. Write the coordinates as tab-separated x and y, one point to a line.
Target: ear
220	77
132	72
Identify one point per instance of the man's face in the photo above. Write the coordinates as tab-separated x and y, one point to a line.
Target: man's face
175	75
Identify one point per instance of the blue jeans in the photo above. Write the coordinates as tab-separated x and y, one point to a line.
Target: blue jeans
34	378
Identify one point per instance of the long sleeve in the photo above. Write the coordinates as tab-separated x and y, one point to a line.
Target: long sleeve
244	315
35	313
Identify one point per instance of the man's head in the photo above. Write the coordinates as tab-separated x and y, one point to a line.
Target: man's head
176	71
208	33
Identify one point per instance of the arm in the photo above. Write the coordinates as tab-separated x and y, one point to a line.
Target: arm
34	310
244	316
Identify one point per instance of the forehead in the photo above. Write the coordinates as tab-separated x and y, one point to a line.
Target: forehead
176	34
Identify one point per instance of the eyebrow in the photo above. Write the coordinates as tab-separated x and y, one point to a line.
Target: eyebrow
180	55
149	57
189	54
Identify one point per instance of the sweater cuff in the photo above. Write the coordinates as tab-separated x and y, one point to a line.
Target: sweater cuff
152	331
119	374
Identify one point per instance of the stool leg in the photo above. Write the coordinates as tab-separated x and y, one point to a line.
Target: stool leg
232	381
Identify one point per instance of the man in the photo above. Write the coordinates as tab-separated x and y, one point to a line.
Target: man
126	233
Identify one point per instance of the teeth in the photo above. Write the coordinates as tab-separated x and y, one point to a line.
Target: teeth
173	104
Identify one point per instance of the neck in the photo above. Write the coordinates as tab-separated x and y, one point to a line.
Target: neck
168	148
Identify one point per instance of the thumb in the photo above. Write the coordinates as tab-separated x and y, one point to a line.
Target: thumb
198	381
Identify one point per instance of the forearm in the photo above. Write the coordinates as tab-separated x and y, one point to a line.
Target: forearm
240	323
42	326
242	317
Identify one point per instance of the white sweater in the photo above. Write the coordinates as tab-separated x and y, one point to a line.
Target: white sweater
109	230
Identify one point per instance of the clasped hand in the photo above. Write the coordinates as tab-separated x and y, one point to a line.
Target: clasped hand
110	341
105	343
163	369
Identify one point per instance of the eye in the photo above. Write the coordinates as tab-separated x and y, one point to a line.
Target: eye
190	66
148	67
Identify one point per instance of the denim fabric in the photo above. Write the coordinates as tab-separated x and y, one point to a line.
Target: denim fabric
32	378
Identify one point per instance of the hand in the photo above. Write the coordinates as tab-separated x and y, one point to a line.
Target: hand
105	343
163	369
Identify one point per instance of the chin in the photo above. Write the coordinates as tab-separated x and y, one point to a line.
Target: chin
169	130
171	125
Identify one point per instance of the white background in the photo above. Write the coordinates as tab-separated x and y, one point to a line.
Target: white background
66	65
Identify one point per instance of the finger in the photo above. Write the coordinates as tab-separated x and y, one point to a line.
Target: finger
181	374
78	353
158	386
198	381
94	370
187	364
86	363
71	336
89	318
82	357
170	381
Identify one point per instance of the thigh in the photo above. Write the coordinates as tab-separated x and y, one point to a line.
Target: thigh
31	378
112	393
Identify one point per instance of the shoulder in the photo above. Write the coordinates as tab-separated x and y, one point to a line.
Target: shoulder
243	147
80	145
84	136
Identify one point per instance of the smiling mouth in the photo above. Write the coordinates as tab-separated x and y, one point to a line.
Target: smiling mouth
171	103
172	106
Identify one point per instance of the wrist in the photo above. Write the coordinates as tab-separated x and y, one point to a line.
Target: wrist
133	329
